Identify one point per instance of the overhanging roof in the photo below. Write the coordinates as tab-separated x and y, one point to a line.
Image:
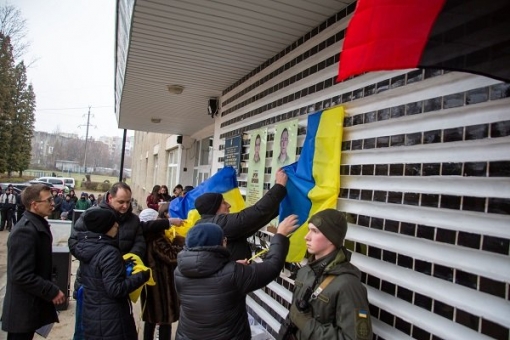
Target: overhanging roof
205	46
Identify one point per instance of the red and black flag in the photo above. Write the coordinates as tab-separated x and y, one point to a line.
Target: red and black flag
460	35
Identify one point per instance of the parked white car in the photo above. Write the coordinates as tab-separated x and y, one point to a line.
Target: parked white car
70	182
57	182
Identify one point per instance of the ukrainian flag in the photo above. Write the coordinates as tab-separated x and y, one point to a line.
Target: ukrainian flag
223	182
314	180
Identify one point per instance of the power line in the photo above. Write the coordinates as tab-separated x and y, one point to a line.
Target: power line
75	108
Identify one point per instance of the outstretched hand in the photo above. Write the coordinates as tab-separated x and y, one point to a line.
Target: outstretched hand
175	221
288	225
281	177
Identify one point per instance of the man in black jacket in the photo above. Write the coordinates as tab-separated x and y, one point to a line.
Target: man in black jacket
30	294
239	226
130	237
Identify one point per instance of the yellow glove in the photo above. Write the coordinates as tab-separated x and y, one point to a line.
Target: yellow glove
138	267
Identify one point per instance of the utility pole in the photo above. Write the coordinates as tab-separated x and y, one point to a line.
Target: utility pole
121	172
86	142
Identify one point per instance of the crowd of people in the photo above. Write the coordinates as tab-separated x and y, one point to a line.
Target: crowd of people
11	208
64	205
201	280
160	195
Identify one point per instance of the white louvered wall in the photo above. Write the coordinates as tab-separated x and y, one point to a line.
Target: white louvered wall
425	176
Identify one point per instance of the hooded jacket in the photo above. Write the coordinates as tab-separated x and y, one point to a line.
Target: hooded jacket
341	310
68	207
107	310
213	289
237	227
82	204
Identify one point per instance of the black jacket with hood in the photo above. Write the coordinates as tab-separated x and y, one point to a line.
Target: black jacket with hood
213	289
107	310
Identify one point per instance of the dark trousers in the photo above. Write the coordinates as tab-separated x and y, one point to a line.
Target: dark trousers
6	218
20	336
20	212
13	217
165	331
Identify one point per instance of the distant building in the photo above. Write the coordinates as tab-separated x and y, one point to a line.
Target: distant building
114	144
68	166
65	152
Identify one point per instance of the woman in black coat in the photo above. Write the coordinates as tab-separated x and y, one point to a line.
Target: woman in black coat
213	289
107	309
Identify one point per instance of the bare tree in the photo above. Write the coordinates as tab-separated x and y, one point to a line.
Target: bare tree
13	25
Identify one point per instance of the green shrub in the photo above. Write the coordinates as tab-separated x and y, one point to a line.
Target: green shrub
104	187
96	186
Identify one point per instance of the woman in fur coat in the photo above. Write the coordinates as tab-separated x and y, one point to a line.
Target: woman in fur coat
160	303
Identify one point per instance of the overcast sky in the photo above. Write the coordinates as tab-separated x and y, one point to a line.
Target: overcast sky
72	45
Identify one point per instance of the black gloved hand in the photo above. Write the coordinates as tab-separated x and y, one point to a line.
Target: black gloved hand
146	274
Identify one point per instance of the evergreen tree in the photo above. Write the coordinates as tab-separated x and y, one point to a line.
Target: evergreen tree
28	130
7	86
22	124
17	98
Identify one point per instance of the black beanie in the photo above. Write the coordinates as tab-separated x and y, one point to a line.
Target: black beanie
187	189
209	203
332	224
99	220
204	235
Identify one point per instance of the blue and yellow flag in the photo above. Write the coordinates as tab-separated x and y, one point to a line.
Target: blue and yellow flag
223	182
314	180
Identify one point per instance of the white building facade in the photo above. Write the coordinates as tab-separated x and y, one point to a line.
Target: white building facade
425	175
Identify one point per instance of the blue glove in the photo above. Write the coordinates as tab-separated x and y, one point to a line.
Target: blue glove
130	264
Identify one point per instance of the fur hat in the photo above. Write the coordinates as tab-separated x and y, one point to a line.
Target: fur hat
332	224
99	220
209	203
148	215
204	235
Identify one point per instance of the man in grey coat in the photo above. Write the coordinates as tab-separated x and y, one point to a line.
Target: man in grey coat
30	295
239	226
